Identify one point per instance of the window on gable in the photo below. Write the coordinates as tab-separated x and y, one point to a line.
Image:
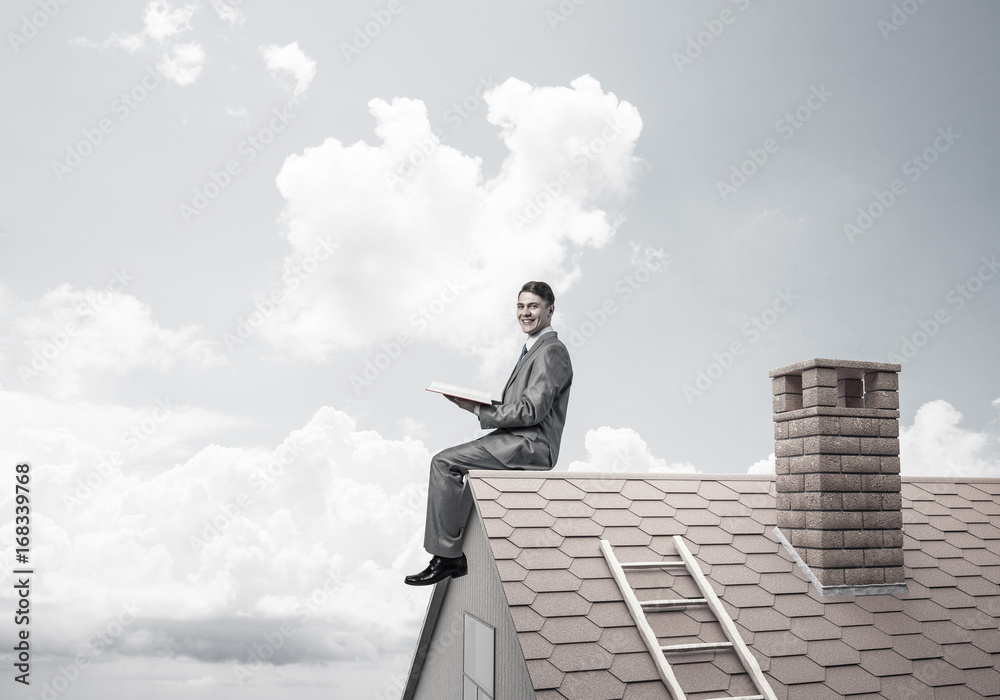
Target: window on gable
478	660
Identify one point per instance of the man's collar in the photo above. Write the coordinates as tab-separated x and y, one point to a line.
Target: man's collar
532	339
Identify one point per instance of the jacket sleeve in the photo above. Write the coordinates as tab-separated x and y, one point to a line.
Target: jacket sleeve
550	372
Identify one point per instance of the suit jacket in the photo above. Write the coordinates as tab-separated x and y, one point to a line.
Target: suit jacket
530	417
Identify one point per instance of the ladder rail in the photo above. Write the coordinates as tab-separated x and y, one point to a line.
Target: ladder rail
698	646
728	627
639	617
679	563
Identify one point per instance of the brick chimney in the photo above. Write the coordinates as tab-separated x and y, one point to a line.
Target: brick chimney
836	444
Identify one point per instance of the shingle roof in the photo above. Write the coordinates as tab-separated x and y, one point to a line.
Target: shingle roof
939	640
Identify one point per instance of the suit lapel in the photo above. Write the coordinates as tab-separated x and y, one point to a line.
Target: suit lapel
524	361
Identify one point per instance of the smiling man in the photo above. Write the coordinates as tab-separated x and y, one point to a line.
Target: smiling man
528	424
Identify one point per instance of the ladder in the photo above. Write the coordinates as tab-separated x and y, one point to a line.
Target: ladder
638	610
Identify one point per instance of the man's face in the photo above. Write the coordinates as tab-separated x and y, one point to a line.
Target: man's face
533	313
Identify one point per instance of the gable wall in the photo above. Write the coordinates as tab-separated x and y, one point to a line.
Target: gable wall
480	594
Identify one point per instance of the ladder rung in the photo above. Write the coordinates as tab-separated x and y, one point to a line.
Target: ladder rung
697	647
742	697
676	603
652	564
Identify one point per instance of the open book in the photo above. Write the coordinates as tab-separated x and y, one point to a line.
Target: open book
461	392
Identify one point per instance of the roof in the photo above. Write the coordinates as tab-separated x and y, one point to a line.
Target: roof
939	640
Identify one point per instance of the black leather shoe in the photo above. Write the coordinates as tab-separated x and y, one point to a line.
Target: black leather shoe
439	569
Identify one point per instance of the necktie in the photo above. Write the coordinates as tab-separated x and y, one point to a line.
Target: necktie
524	351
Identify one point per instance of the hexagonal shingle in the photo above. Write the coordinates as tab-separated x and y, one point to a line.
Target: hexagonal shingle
945	632
534	645
611	614
535	537
768	563
577	527
631	668
763	620
652	509
621	640
521	500
708	535
641	491
662	526
551	580
937	672
796	669
616	517
526	619
495	527
517	593
810	628
547	558
734	574
915	646
528	518
566	630
983	680
720	554
847	614
544	675
653	690
590	567
600	589
510	570
587	656
561	604
625	536
967	656
798	605
593	685
777	644
695	516
606	500
575	547
569	509
783	583
885	662
750	596
560	490
896	623
833	652
730	508
851	680
701	677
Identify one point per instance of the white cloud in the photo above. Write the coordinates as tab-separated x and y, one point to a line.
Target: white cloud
151	436
284	62
241	113
184	65
160	22
181	63
69	337
763	466
228	12
622	450
425	245
935	445
226	547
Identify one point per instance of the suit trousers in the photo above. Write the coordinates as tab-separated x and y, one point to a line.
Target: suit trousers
449	501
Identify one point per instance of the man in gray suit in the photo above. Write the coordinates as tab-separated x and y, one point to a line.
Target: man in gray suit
528	424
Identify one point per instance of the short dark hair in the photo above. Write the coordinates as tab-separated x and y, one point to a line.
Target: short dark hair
540	289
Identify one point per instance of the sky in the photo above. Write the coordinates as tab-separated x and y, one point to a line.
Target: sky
239	239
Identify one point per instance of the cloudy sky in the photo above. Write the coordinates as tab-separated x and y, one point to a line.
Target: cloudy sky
238	239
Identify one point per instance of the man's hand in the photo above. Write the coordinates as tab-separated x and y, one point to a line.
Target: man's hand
468	405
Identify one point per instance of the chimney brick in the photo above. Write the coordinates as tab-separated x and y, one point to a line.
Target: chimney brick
837	462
